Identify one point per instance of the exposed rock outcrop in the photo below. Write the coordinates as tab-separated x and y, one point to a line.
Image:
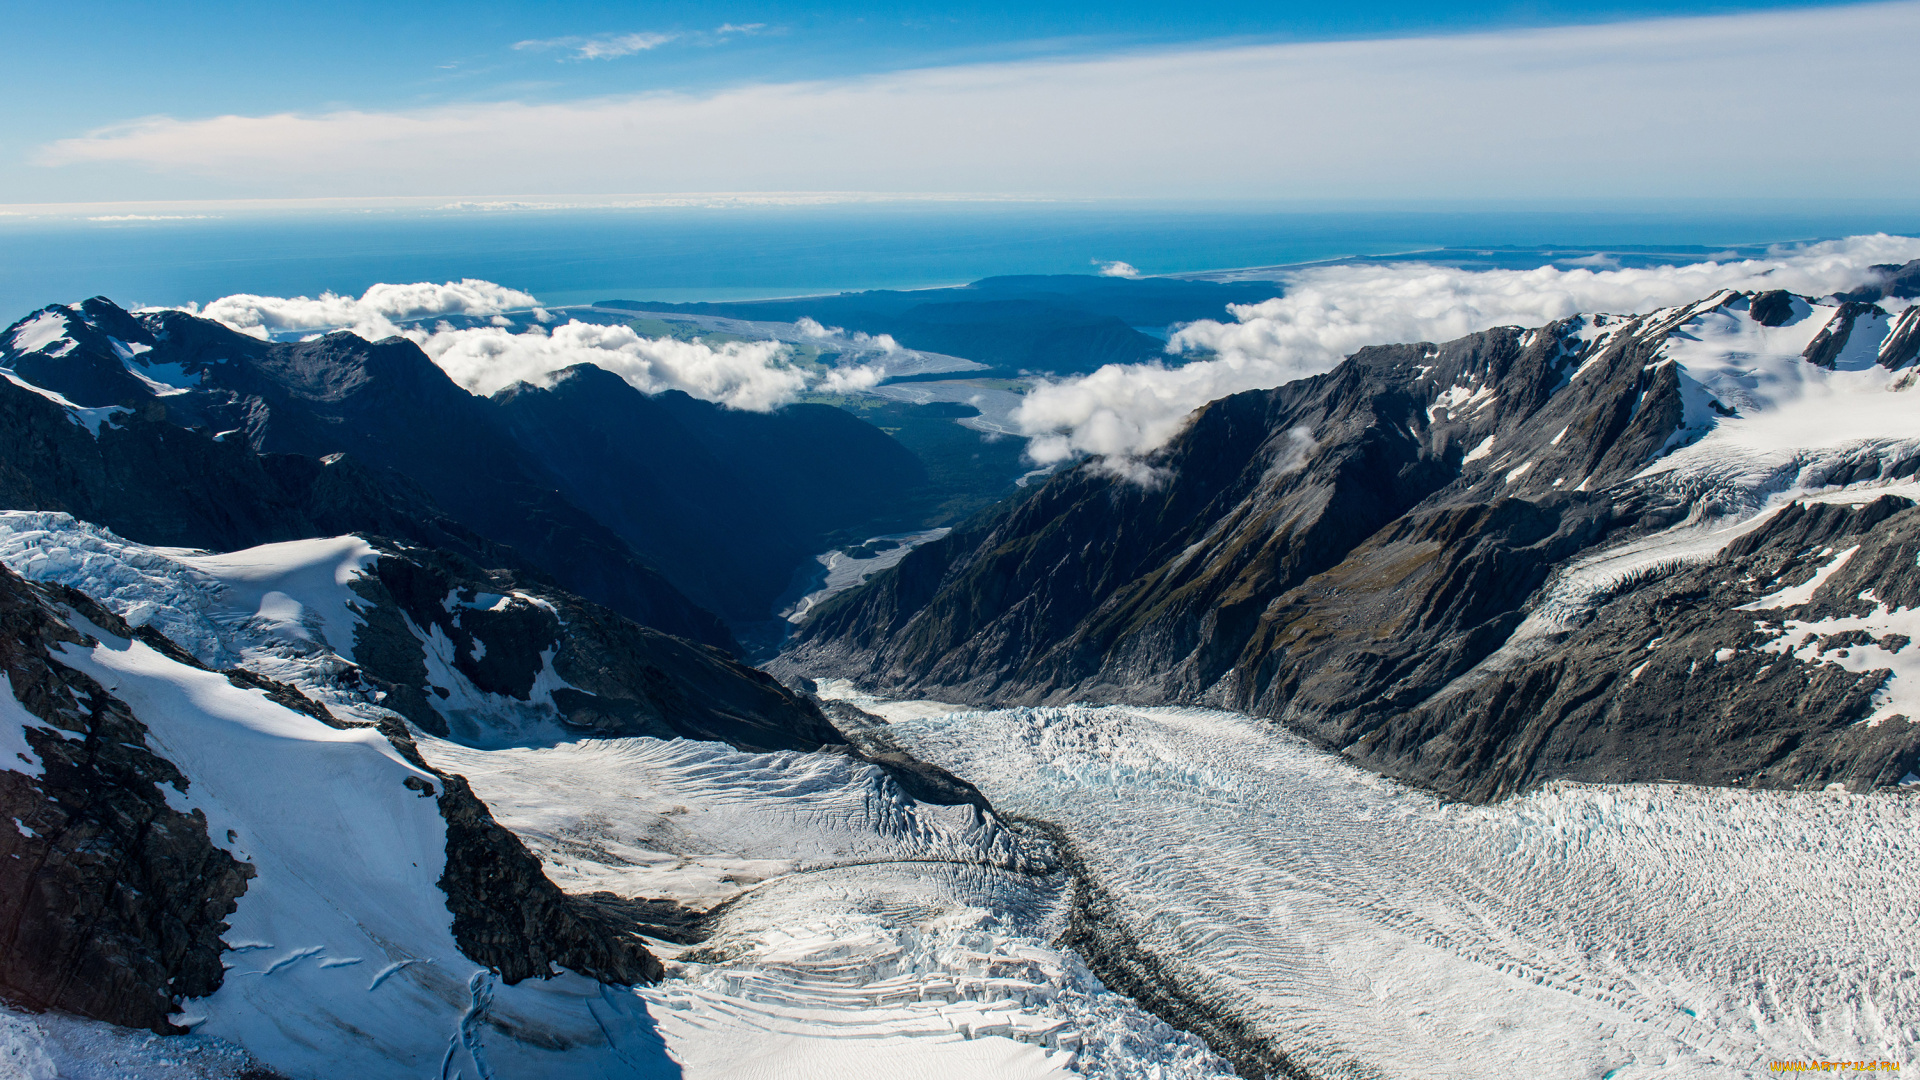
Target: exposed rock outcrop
601	673
1683	679
1346	552
112	902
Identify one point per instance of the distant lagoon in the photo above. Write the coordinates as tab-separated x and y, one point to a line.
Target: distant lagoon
577	256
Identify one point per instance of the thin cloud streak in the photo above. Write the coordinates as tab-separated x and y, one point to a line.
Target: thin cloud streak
602	47
1740	106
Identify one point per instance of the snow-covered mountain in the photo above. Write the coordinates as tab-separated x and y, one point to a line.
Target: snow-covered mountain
217	796
252	442
1670	546
214	850
312	773
664	508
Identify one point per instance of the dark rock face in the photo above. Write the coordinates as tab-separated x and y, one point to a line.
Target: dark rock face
726	503
1265	491
622	678
112	902
152	481
167	476
1338	552
1902	345
1826	346
1672	681
1772	308
508	916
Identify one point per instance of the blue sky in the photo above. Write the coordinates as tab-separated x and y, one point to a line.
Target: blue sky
140	102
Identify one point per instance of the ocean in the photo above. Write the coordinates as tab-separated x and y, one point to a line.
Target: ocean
577	256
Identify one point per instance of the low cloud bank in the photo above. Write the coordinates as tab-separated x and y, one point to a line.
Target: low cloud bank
752	375
372	315
1327	313
837	338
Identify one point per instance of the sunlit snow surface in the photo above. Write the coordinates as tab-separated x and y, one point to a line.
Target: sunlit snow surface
867	935
1364	929
1368	930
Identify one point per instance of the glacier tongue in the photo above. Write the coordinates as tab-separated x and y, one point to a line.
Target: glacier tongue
1365	929
855	932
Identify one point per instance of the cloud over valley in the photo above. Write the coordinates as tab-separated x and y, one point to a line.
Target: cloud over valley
751	375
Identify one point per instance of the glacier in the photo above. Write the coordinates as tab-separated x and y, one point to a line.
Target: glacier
1368	929
1356	926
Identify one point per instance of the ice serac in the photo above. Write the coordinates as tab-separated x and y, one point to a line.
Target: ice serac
183	388
1375	555
392	928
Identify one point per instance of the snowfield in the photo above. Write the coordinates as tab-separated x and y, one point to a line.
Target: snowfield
864	934
1370	930
1363	929
342	959
1782	430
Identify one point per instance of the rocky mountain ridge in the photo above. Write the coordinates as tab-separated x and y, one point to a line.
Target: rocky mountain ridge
598	486
205	437
725	502
1367	555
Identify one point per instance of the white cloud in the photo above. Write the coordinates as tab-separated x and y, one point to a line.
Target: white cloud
741	374
1327	313
1733	106
751	375
372	315
837	338
599	47
150	217
1116	269
1293	454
